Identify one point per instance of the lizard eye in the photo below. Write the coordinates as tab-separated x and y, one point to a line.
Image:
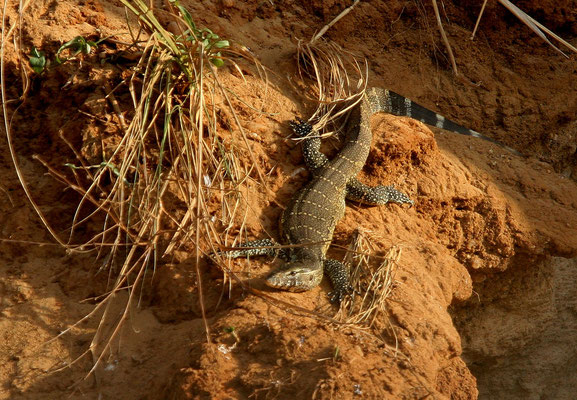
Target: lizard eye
292	273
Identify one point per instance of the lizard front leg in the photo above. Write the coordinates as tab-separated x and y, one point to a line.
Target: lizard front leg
338	273
314	158
262	247
356	190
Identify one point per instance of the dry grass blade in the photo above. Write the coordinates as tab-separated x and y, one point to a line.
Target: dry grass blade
530	22
4	35
534	25
478	19
444	36
339	80
334	21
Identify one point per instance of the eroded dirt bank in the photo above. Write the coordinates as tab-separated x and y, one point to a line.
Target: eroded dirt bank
484	294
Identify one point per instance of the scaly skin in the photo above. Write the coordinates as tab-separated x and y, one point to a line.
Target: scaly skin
312	215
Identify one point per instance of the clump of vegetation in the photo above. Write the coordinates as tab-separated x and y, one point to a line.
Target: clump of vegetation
79	45
151	187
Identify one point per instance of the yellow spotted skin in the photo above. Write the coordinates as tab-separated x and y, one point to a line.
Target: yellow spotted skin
311	217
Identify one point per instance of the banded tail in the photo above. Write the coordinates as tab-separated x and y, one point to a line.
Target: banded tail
394	103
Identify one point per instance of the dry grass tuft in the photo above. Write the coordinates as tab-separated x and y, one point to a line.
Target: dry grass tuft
373	281
338	81
151	190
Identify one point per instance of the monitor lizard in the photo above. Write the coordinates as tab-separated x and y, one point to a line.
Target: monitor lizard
308	223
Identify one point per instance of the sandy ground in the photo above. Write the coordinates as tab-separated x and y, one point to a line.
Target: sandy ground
484	299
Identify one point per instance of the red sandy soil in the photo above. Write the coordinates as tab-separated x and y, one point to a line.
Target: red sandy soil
484	302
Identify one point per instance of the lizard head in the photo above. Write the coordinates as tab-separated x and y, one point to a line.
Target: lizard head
297	276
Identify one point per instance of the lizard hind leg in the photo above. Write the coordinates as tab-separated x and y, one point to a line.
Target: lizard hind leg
375	195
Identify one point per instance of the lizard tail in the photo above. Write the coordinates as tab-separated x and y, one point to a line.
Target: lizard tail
383	100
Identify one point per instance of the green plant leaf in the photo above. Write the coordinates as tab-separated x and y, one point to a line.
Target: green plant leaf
221	44
217	62
187	17
37	60
76	45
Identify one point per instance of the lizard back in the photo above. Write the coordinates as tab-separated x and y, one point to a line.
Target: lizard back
313	212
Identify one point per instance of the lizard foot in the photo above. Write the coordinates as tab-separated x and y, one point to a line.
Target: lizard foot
301	128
